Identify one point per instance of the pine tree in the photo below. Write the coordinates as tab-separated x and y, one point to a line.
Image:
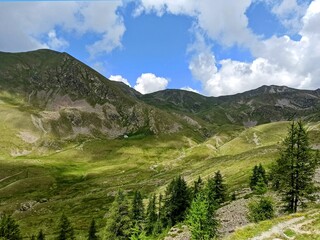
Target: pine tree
216	190
118	224
200	219
137	210
198	186
294	170
92	231
254	177
177	201
41	235
259	180
9	229
66	230
151	216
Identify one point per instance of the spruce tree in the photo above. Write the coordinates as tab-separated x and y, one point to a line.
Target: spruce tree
137	210
65	229
177	201
198	186
92	235
201	220
9	229
41	235
118	223
151	216
294	170
216	190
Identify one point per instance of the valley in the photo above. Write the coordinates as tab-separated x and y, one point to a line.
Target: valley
70	139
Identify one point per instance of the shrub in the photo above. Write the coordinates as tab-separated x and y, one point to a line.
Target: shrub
261	210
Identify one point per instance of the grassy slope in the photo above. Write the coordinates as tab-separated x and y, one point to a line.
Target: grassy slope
82	178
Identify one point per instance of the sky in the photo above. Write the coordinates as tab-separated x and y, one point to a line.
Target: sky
213	47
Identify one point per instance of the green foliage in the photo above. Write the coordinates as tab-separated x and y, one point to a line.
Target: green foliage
137	209
261	210
294	170
92	235
176	201
216	189
198	187
151	216
9	229
259	180
200	219
66	230
118	222
41	235
137	233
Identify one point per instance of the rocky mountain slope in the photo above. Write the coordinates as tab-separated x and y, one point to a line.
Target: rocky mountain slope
262	105
66	99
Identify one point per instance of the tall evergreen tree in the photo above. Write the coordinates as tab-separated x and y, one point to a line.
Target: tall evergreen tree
41	235
65	229
294	170
118	224
92	235
216	190
151	216
9	229
258	180
137	209
177	201
198	186
201	220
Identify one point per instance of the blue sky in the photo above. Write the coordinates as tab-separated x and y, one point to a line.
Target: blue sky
214	47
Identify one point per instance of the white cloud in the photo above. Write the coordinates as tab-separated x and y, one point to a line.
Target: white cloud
289	13
22	24
222	20
56	43
119	78
190	89
279	61
148	82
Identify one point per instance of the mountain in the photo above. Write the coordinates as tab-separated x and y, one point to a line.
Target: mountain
258	106
68	98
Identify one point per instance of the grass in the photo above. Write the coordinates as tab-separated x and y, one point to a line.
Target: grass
80	177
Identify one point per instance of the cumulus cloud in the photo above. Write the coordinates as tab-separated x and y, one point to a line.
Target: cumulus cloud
278	60
190	89
216	19
22	24
289	13
56	43
119	78
148	83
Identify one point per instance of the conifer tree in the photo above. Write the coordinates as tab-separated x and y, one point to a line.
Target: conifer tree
201	220
177	201
41	235
92	231
294	170
118	224
258	180
137	210
216	190
198	186
151	216
66	230
9	229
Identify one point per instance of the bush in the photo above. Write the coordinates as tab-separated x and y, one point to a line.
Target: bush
261	210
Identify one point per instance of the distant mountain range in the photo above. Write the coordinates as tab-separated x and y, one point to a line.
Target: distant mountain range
69	99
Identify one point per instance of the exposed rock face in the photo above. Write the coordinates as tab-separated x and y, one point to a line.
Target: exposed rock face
73	99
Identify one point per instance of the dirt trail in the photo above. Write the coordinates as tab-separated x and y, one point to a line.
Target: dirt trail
278	229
